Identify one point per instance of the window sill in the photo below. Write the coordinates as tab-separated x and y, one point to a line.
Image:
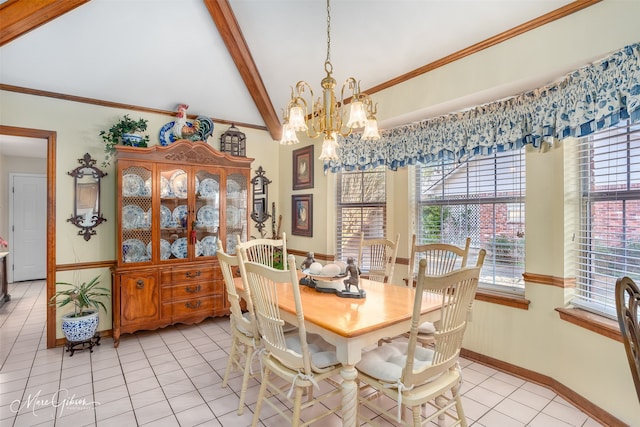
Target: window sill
598	324
514	301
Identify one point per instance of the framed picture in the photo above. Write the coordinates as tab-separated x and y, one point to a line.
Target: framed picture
303	168
302	215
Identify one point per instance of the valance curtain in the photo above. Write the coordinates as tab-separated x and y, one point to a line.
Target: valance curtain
592	98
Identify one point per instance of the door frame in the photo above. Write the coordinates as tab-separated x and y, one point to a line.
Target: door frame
50	136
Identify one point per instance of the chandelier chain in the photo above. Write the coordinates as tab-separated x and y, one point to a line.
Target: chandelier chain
327	64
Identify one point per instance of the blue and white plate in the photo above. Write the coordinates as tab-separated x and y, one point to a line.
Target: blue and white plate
132	185
179	213
209	246
165	189
178	183
179	248
207	216
133	217
166	133
233	217
165	249
209	188
232	241
233	186
165	216
133	250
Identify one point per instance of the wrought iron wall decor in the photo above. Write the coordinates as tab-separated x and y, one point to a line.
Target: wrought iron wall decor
86	207
259	214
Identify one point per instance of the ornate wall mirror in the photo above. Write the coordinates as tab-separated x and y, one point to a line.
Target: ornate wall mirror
259	213
86	210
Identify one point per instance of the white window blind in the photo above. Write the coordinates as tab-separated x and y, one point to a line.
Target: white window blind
609	240
362	207
482	198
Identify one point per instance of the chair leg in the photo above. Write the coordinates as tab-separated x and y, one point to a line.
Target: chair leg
417	419
263	389
232	356
297	403
441	401
245	378
459	410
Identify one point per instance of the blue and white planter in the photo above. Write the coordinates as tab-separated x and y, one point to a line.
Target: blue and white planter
80	328
131	139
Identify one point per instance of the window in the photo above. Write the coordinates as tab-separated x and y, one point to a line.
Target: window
609	241
362	207
482	198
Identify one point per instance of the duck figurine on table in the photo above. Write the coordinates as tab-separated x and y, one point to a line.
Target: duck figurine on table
353	279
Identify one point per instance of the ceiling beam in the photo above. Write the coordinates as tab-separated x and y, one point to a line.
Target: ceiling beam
18	17
229	30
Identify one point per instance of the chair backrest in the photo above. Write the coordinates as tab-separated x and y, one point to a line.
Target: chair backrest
457	290
627	303
262	281
265	251
381	256
227	264
441	258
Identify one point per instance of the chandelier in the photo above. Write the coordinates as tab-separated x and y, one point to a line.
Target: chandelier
326	116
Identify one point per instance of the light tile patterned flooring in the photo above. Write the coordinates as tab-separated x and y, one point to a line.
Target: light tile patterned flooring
173	376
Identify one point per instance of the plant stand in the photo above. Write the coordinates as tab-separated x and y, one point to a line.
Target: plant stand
71	346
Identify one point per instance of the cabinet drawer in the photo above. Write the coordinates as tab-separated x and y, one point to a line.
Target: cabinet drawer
189	290
178	310
182	275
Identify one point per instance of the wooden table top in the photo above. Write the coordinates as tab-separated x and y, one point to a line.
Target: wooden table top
384	305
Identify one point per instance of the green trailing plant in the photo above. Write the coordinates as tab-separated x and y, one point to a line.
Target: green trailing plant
84	296
113	136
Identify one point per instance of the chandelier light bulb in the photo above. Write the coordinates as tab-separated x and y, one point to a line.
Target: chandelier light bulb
289	136
297	119
357	115
329	148
371	131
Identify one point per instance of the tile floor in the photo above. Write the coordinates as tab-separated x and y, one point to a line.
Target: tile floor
173	376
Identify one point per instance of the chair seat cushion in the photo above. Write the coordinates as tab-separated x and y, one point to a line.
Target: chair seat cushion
427	328
244	327
322	353
387	361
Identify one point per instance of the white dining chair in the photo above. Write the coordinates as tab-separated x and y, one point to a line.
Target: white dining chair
291	364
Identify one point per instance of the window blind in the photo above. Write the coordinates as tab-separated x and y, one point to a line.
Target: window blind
609	235
361	204
482	198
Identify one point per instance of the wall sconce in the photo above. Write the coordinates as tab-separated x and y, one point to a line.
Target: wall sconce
86	208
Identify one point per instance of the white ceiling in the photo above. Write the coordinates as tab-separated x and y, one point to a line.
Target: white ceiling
159	53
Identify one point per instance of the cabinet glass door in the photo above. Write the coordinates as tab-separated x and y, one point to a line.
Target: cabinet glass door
236	211
136	215
174	214
207	209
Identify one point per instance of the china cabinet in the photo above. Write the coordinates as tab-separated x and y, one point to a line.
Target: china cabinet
173	203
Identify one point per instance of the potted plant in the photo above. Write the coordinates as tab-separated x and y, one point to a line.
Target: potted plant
126	132
82	323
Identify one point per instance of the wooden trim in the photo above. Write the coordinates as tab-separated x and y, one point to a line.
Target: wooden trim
593	322
18	17
86	265
565	392
560	282
515	301
554	15
50	136
316	255
230	31
102	103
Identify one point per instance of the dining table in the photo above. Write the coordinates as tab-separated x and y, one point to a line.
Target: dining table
353	324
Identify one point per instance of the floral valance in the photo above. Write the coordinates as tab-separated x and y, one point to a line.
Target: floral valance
592	98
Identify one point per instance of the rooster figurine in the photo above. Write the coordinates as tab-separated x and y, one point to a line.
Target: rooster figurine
199	130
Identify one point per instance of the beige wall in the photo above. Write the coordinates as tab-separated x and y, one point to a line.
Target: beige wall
536	339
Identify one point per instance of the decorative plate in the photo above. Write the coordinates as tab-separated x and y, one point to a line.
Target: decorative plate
178	183
133	217
132	185
133	250
165	189
199	248
209	188
232	241
207	216
166	133
233	186
165	249
165	216
147	218
179	248
180	213
209	245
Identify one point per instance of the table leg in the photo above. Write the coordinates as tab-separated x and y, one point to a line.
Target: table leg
349	396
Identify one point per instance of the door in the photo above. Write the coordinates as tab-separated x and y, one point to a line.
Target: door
28	204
